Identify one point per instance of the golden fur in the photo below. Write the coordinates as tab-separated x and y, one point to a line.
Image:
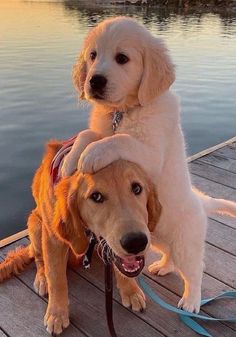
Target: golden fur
57	228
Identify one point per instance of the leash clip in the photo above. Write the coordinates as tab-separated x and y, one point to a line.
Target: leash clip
89	253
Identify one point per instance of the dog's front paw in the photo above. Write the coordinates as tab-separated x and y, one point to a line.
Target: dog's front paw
40	284
161	267
134	299
56	320
95	157
191	304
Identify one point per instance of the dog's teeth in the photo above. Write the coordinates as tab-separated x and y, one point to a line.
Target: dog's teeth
130	269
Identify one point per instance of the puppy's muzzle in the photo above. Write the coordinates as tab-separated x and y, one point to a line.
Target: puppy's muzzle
98	84
134	242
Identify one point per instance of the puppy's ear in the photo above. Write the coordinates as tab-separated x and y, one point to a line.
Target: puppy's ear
67	223
79	74
158	71
153	207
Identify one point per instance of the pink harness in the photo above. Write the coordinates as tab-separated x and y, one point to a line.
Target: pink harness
58	159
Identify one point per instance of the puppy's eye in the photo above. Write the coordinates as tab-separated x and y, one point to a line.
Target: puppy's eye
121	58
97	197
136	188
93	55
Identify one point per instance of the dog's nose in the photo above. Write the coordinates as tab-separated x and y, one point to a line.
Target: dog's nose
134	242
98	82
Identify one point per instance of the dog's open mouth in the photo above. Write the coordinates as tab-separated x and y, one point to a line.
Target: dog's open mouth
130	266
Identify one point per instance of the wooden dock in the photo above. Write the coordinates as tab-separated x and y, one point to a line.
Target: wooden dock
22	310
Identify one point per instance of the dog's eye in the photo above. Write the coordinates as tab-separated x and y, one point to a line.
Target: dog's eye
97	197
136	188
121	58
93	55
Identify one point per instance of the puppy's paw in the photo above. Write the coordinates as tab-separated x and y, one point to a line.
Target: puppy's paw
134	299
95	157
161	268
190	304
55	321
40	284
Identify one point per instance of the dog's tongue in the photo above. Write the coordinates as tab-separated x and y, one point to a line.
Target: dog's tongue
130	262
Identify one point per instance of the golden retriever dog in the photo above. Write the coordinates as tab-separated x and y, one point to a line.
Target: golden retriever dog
126	73
118	203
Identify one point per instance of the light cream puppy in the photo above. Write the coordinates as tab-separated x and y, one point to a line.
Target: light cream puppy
122	67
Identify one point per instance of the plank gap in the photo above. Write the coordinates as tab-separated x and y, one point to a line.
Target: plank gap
217	182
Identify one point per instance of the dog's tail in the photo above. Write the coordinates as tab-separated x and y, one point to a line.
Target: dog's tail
219	206
15	262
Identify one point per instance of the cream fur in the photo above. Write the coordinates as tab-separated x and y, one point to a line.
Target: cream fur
149	135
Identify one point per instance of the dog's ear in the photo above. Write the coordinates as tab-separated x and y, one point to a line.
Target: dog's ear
158	71
153	207
67	223
79	74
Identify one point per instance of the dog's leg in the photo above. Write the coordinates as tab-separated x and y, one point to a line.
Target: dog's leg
55	257
35	234
188	255
165	265
131	295
83	139
120	146
191	272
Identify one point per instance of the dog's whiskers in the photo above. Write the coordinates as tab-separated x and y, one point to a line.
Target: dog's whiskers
104	251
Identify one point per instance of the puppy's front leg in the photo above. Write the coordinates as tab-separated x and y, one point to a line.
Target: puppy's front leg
121	146
70	161
55	258
131	295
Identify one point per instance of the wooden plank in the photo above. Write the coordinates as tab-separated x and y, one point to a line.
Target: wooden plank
87	308
23	312
88	297
216	190
159	319
211	149
221	265
221	236
85	298
157	315
210	287
228	151
13	238
213	173
228	164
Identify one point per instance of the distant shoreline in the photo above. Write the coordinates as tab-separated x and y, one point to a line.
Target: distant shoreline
184	4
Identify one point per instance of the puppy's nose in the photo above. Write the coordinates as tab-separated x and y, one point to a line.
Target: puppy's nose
134	242
98	82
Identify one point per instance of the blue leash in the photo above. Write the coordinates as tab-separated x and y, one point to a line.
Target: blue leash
187	317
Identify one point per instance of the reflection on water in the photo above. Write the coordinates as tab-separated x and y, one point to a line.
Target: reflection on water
39	42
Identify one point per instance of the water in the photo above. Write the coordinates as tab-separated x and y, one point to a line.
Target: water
38	45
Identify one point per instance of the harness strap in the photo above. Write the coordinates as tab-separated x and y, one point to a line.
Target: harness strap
58	159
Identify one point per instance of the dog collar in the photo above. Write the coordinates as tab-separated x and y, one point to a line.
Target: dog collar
117	117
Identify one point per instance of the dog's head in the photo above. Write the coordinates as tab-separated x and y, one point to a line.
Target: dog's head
118	203
122	65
